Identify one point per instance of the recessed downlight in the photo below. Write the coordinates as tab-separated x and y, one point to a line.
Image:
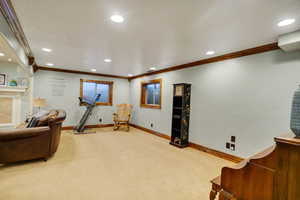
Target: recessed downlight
2	54
49	64
46	49
210	53
117	18
152	68
93	70
107	60
9	60
286	22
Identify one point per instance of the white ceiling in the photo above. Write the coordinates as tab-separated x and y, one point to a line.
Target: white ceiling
156	33
8	51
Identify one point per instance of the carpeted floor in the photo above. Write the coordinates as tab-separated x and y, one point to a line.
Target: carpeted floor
113	166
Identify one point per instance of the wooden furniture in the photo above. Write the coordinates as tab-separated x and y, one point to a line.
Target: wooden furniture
122	117
181	115
273	174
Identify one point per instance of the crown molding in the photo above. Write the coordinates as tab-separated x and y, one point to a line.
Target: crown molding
9	13
79	72
237	54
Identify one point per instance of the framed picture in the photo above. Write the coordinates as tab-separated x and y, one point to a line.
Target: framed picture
2	79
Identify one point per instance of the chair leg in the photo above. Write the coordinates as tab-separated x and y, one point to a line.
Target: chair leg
116	126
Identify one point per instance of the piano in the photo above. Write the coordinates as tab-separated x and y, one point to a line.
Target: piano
273	174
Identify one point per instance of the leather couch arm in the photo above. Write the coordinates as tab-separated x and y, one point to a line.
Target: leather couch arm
14	134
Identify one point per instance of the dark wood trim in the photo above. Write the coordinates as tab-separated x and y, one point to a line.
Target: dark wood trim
8	11
111	85
247	52
35	68
151	131
216	153
144	91
80	72
89	126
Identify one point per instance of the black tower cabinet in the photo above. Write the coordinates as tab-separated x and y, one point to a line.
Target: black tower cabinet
181	115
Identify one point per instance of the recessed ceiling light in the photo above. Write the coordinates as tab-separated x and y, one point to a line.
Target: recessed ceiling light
210	53
107	60
152	68
286	22
93	70
130	75
9	60
50	64
46	49
117	18
2	54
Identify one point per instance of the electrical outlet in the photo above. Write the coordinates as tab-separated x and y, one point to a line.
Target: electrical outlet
100	120
151	125
232	147
232	139
227	145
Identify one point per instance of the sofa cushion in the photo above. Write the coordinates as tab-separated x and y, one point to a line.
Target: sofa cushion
44	120
32	123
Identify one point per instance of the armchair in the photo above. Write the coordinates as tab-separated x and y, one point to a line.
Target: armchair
122	117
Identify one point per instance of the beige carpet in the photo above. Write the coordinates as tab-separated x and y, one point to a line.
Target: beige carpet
113	166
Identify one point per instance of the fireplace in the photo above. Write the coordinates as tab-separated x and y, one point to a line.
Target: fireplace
10	107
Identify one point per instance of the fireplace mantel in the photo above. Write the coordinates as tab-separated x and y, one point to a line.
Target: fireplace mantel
8	89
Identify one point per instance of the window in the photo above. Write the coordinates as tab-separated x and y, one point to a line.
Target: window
151	94
90	88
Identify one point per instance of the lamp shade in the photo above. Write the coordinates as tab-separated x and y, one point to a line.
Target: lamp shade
39	103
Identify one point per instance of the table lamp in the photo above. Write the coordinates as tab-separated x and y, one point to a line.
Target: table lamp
40	103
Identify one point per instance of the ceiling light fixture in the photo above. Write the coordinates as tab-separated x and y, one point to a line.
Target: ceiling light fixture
286	22
46	49
2	54
50	64
152	68
210	53
107	60
130	75
9	60
117	18
93	70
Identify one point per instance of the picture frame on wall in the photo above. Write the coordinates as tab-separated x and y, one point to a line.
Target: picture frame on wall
2	79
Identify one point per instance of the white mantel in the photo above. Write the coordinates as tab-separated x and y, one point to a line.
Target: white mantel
10	89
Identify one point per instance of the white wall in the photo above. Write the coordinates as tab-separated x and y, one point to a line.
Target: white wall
14	71
48	84
249	97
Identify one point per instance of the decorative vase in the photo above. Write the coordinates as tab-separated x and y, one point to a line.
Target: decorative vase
13	83
295	113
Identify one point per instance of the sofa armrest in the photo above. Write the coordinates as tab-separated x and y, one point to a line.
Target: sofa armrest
6	135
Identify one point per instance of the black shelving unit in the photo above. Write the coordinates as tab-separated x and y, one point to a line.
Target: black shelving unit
181	115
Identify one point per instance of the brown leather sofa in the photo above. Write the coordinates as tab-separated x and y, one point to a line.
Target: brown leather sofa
32	143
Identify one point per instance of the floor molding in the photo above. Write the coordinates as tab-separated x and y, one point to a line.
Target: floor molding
216	153
151	131
88	126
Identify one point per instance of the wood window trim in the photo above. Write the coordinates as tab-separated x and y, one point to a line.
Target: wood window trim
143	94
110	98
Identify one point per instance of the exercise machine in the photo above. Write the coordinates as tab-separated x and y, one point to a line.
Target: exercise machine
89	108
